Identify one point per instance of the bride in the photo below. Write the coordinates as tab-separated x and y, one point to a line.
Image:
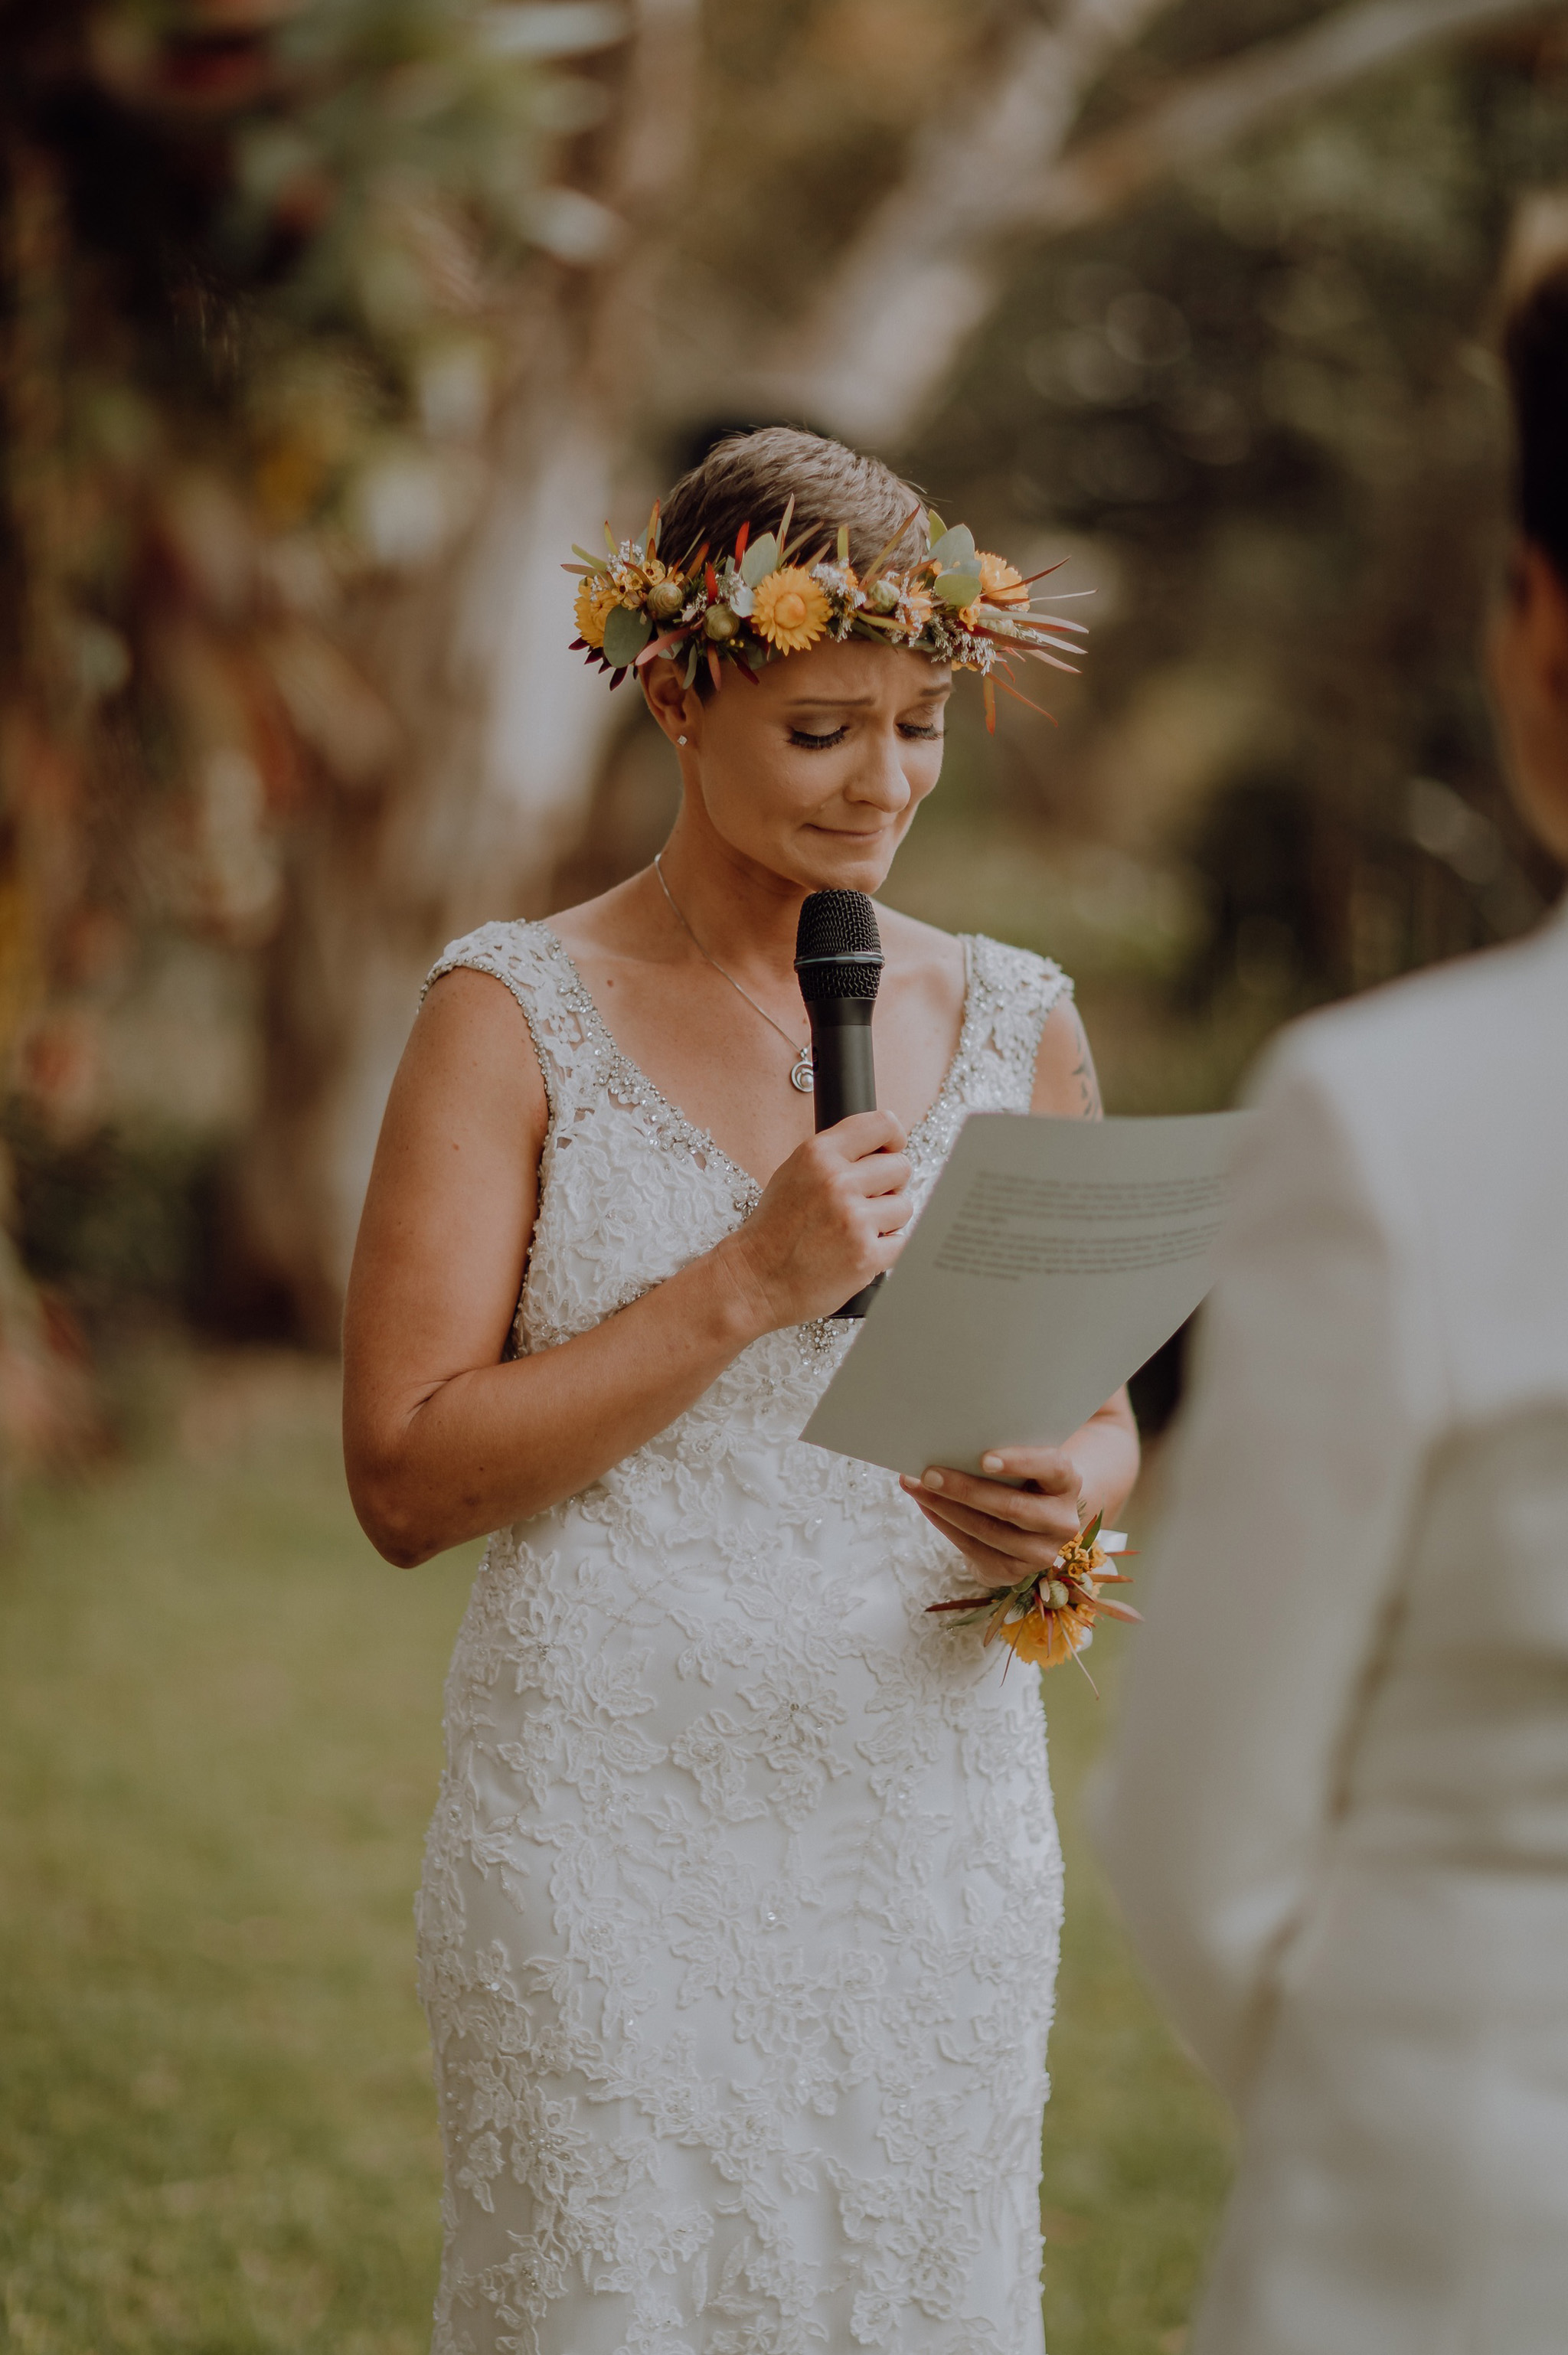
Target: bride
739	1920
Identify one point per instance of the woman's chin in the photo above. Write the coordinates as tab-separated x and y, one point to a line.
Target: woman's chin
845	863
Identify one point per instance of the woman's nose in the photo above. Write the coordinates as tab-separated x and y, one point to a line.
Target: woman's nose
880	779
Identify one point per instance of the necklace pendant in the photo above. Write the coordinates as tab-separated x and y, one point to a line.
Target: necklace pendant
803	1076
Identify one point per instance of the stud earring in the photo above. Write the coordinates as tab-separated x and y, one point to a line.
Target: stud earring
680	740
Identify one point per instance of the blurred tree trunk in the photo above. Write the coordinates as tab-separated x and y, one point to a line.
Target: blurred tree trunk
496	733
884	333
927	265
500	734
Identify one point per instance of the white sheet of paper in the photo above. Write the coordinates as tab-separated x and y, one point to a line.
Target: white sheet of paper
1050	1261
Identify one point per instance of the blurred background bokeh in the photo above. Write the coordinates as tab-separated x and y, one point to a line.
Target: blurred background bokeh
325	326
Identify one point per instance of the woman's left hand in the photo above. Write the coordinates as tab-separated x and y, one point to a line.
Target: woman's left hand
1003	1532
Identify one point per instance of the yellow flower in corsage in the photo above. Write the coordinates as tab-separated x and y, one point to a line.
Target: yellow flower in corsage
1048	1616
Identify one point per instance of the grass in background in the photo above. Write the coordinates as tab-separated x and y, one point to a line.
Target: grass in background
219	1720
219	1733
1136	2153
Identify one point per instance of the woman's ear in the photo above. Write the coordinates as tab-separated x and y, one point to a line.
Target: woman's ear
670	702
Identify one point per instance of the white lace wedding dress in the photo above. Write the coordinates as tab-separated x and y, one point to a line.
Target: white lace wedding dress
739	1913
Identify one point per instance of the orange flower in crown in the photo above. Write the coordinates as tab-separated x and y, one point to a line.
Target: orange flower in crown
771	596
999	583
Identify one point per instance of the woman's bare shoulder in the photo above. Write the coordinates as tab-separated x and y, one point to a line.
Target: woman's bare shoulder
471	1046
1065	1082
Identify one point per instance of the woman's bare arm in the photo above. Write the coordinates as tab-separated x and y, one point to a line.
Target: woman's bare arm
442	1441
1001	1530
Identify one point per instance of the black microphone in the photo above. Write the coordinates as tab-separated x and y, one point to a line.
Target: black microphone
839	963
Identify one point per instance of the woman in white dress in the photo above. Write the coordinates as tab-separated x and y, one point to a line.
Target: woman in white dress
740	1914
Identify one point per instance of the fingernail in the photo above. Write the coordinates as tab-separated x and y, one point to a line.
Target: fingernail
907	1480
992	1463
932	1480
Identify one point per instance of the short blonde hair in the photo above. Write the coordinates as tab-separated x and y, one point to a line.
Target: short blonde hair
750	478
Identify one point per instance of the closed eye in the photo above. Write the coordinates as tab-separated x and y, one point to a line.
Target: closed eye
919	730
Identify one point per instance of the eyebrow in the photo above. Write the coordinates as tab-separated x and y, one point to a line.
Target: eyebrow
860	702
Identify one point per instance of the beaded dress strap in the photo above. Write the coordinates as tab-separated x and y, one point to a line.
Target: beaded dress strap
1011	995
528	960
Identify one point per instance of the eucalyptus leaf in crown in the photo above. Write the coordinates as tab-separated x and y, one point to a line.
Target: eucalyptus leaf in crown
773	596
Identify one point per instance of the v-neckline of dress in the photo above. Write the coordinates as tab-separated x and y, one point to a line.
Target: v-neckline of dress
697	1138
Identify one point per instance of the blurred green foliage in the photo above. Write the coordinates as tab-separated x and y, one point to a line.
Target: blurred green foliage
1266	404
271	238
258	298
259	266
117	1222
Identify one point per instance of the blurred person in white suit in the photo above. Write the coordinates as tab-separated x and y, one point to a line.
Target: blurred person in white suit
1337	1817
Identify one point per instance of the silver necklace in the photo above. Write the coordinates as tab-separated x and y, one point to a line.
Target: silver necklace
802	1077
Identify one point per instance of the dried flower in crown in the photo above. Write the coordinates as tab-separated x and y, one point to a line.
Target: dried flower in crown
771	596
1049	1615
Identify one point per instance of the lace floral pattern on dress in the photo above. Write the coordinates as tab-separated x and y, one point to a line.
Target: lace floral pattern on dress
738	1868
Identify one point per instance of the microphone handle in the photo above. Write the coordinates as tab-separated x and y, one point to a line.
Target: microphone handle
844	1081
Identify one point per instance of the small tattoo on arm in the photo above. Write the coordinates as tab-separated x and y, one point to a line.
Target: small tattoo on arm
1088	1086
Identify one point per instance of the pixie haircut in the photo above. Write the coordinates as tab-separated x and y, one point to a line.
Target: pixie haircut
749	478
1535	356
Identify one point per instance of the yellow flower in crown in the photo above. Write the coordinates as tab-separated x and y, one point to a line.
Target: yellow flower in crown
596	599
1000	582
790	609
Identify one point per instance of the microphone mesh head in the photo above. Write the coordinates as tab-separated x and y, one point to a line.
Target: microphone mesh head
838	929
838	923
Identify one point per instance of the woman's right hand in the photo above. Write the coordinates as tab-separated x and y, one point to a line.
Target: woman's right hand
830	1219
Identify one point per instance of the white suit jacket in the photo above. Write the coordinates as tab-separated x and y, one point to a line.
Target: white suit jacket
1338	1818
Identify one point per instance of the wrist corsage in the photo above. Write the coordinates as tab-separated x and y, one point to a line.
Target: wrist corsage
1048	1616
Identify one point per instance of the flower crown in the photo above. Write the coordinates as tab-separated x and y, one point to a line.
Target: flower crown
957	602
